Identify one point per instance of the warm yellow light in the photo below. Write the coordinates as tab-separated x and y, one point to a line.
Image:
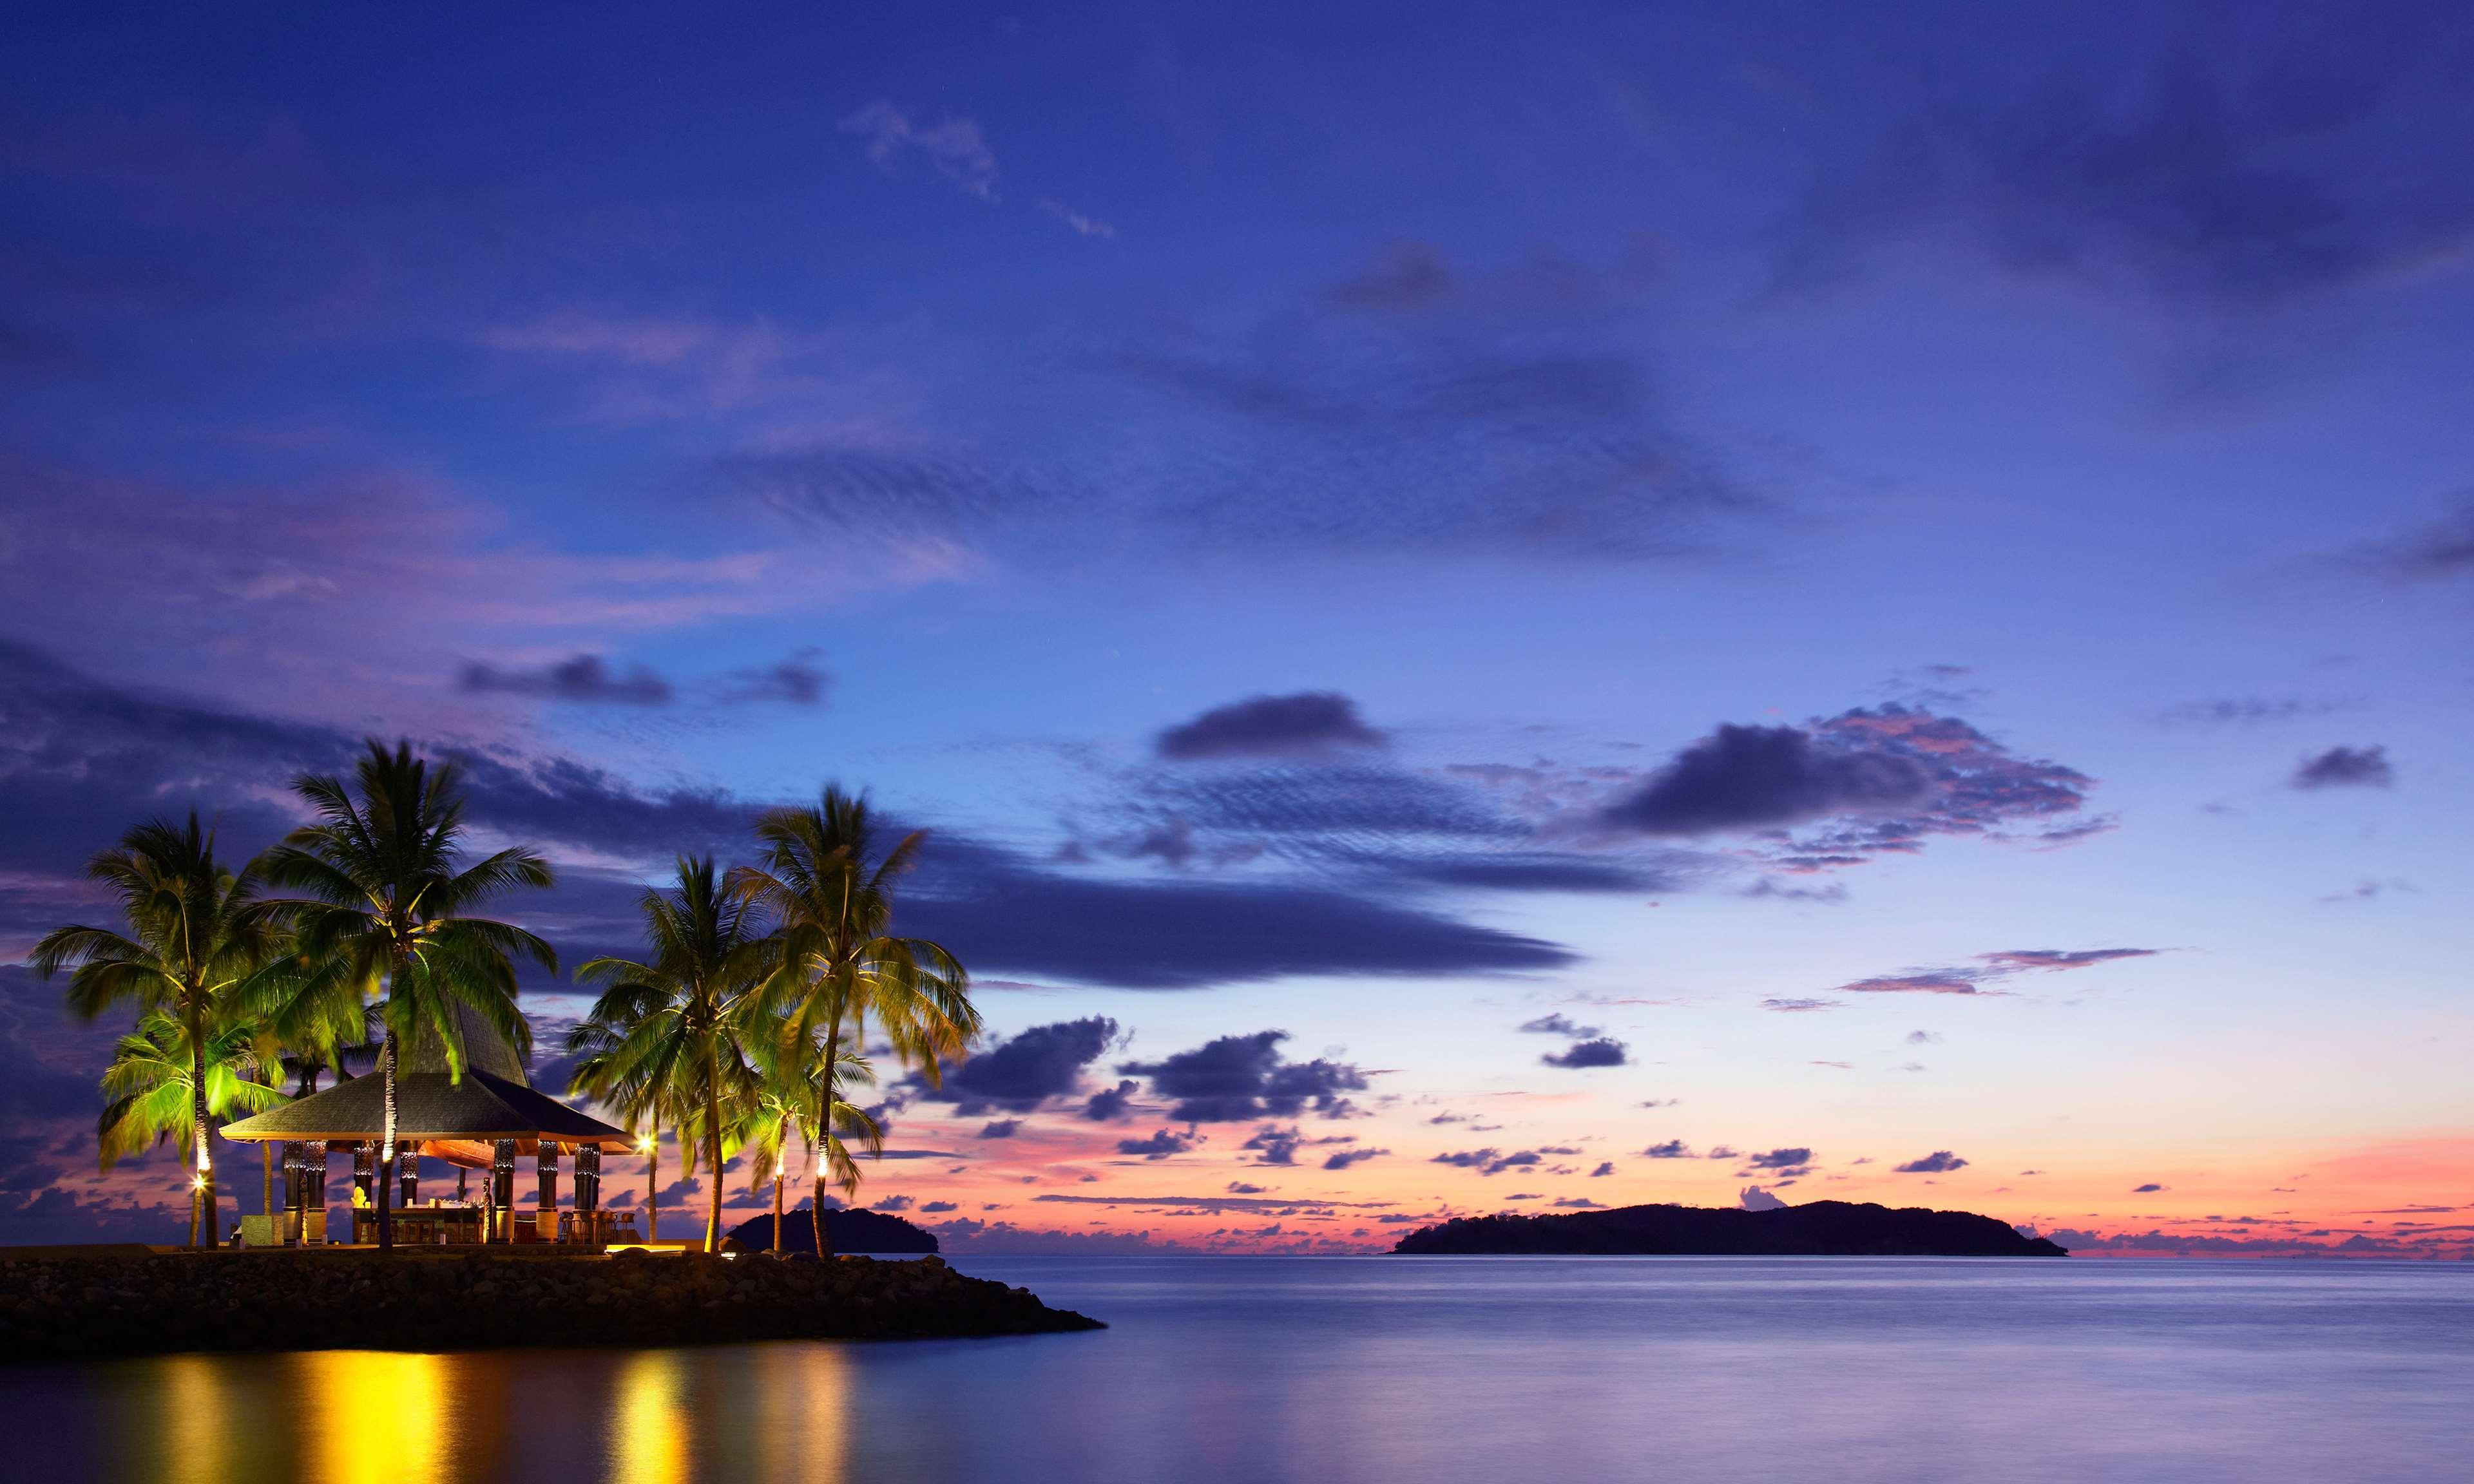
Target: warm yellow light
644	1145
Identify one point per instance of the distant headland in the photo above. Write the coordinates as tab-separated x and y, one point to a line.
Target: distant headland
1821	1229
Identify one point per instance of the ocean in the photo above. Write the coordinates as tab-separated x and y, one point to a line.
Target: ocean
1378	1370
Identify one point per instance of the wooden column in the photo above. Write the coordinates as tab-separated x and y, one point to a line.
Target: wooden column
502	1186
588	1178
546	1162
407	1158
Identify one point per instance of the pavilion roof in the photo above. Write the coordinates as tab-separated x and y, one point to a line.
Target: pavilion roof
430	1106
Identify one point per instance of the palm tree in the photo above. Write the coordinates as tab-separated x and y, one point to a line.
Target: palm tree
830	894
643	1106
196	934
160	1077
678	1021
388	917
798	1097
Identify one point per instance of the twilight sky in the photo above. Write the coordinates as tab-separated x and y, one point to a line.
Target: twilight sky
1487	611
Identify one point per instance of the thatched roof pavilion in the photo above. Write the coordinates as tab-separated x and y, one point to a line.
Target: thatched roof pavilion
454	1120
481	1120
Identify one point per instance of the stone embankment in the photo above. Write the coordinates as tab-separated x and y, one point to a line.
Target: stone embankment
58	1308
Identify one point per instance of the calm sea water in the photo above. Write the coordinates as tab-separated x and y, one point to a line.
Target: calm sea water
1372	1370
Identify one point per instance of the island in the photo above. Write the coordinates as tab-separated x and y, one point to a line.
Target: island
106	1301
1819	1229
847	1230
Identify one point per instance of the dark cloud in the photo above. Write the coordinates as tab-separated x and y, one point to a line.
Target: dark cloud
1755	1198
1344	1159
1488	1161
1989	969
1002	1128
1798	1004
934	1207
585	679
80	760
1889	777
798	681
1309	724
1939	1162
1159	1146
1782	1160
1743	776
1275	1145
1240	1078
1240	1187
1109	1104
1406	275
2204	175
2147	1189
1604	1051
1558	1024
1020	1074
1672	1149
2345	767
1604	1169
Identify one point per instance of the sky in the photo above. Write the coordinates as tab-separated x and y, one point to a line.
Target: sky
1485	610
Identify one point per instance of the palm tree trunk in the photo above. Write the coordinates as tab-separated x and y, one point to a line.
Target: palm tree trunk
201	1206
653	1189
713	1148
777	1197
386	1145
825	1132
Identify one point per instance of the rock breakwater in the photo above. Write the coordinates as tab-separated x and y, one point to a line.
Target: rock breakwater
83	1307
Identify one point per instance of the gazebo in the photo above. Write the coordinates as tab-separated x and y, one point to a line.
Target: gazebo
482	1121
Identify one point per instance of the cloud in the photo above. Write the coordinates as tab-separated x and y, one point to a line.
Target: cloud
1889	776
1488	1162
1798	1004
1939	1162
2204	175
80	758
1085	225
934	1208
1672	1149
797	681
1309	724
2345	767
1755	1198
1276	1145
585	679
1989	969
1605	1168
1578	1203
1239	1078
1558	1024
1742	776
1240	1187
1159	1146
1109	1104
1921	1038
1785	1161
2249	710
1344	1159
1002	1128
955	148
1604	1051
1020	1074
2147	1189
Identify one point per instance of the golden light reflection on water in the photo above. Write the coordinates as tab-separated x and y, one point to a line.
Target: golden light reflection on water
373	1416
735	1414
771	1413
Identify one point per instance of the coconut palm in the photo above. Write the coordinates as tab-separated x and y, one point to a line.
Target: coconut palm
643	1105
829	890
196	934
677	1021
388	917
160	1080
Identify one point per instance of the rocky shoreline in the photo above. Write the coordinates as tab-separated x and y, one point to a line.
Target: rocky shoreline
106	1304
